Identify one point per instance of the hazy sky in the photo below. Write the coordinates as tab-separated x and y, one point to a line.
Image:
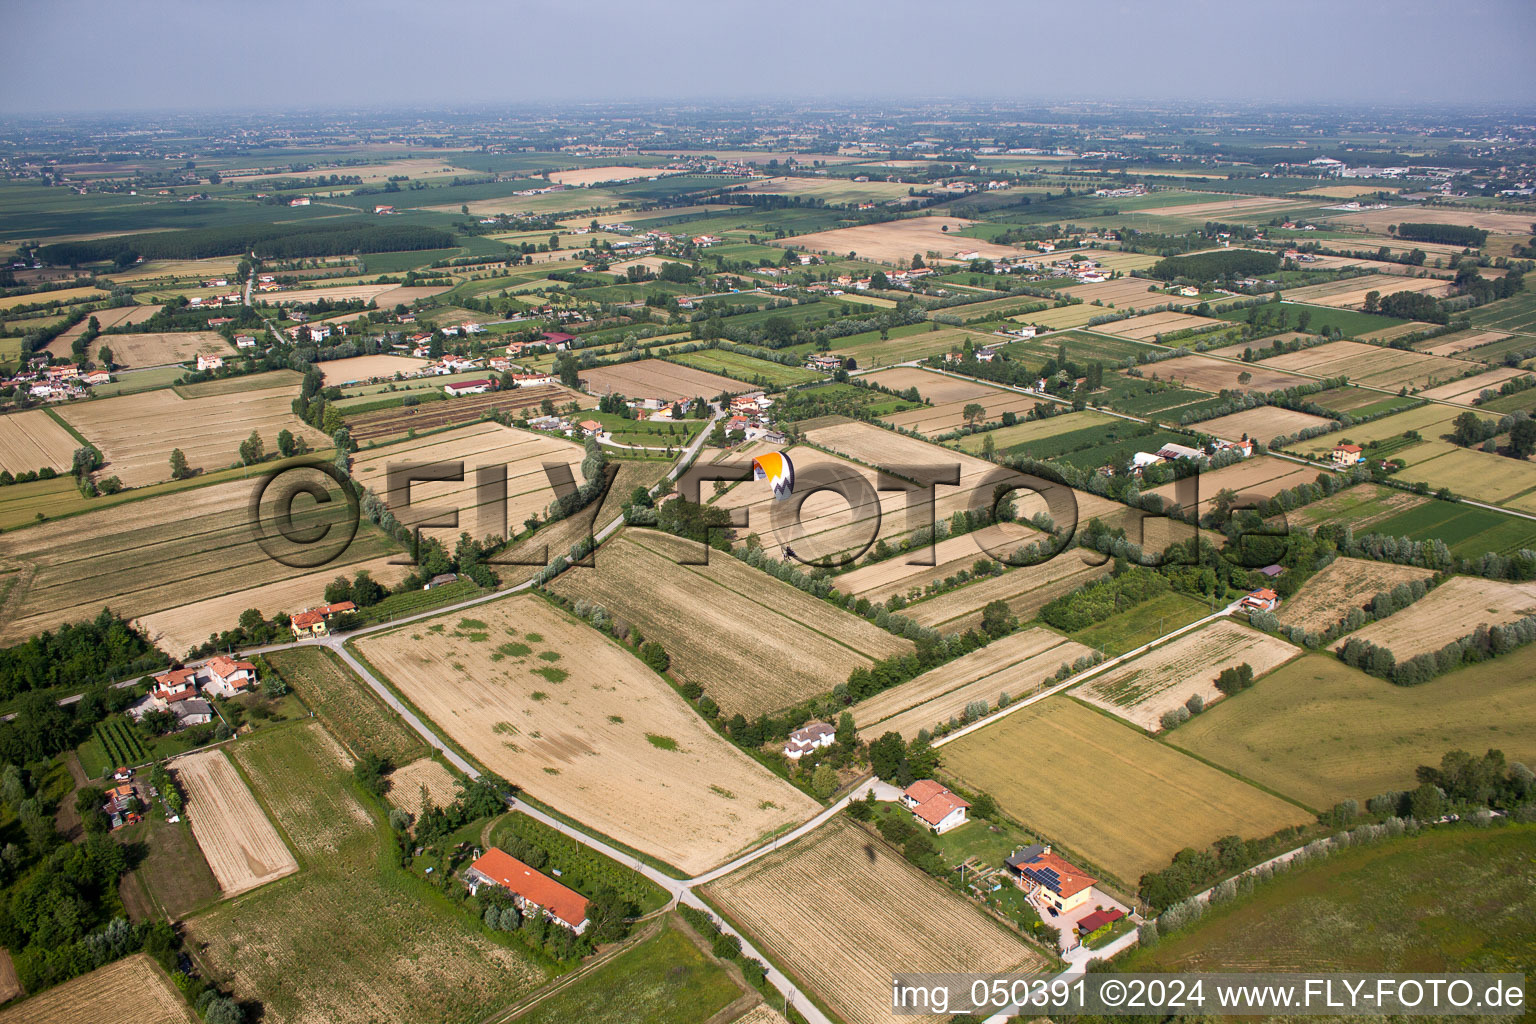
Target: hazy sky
82	55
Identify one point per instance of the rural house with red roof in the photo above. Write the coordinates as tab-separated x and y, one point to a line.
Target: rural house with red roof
1049	879
934	806
532	891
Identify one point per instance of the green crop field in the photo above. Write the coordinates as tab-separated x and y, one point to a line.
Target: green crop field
1022	438
665	979
1449	899
1045	763
747	368
1118	453
1287	316
1468	530
1514	315
351	920
1320	731
1142	624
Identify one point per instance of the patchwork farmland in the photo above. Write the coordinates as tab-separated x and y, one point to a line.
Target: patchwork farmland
834	909
1026	590
523	453
151	555
1144	688
1373	365
757	645
1163	800
379	425
136	433
548	703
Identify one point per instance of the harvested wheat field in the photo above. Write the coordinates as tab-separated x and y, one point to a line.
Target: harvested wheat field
1026	589
340	372
1129	293
425	780
522	452
179	629
895	241
1166	677
34	440
755	644
583	176
237	840
1015	665
386	295
1453	609
1467	390
1351	291
138	350
133	990
1207	374
136	433
1462	341
657	378
1252	480
1343	584
840	912
935	387
550	704
63	346
1208	209
881	580
1154	800
948	417
1261	424
158	553
1487	220
1373	365
1150	326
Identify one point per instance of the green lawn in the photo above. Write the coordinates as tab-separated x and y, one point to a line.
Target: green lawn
665	979
1142	624
747	368
1451	899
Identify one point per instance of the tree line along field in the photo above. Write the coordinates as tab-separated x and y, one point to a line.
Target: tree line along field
1451	610
755	644
1471	473
837	911
1141	690
1343	584
1447	899
545	701
880	580
238	841
350	938
34	440
1252	480
1320	732
1152	800
1026	590
902	344
379	425
1015	664
1430	421
133	990
151	555
1022	438
522	453
136	433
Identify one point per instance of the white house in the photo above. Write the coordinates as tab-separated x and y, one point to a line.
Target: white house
210	362
934	805
479	386
808	738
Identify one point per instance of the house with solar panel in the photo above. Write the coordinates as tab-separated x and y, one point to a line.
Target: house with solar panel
1050	880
